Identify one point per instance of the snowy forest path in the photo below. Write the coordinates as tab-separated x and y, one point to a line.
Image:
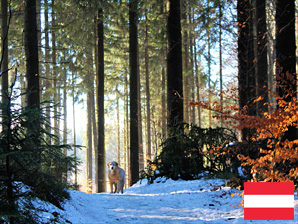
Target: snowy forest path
199	201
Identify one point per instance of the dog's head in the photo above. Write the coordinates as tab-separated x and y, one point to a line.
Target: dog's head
112	165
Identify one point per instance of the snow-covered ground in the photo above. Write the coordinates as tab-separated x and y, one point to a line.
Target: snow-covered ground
168	201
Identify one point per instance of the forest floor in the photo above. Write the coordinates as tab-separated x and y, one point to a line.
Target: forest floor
165	201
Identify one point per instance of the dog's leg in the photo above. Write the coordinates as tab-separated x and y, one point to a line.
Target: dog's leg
121	186
116	187
111	186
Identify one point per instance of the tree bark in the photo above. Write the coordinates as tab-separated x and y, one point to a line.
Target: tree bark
246	66
65	118
174	65
89	143
220	59
4	56
197	82
47	94
163	76
74	130
118	126
285	55
134	76
101	186
262	64
31	54
148	106
185	58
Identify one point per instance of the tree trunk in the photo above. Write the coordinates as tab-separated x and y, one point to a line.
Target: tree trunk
148	106
134	76
209	76
95	123
89	143
246	74
65	118
31	54
4	55
140	128
54	75
192	65
185	62
164	103
101	186
174	65
271	55
74	130
285	55
47	94
118	127
198	82
220	59
38	20
126	132
4	42
262	64
163	76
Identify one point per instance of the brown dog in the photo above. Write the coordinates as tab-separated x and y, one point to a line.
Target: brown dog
116	177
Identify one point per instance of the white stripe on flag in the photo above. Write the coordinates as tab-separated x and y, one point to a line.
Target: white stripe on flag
268	201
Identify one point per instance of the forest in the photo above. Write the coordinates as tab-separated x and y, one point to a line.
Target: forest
167	88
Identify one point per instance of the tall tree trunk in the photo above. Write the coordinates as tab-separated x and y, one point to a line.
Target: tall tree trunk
65	118
140	128
163	75
192	65
209	66
185	61
38	20
262	64
6	122
126	131
148	106
94	133
220	59
246	73
89	143
118	126
163	103
101	185
198	82
285	55
134	76
74	130
209	76
4	55
174	65
54	74
31	54
47	94
95	123
271	54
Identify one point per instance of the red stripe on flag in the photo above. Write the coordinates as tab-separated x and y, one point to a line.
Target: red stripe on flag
269	188
268	213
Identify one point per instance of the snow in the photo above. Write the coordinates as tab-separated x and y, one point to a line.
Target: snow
165	201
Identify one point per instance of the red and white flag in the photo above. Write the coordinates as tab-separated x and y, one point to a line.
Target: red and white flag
268	201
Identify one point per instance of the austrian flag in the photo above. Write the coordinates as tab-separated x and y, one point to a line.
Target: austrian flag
268	201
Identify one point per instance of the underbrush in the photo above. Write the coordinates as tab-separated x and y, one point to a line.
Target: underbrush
190	152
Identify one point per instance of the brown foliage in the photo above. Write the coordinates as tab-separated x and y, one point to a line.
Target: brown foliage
266	151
